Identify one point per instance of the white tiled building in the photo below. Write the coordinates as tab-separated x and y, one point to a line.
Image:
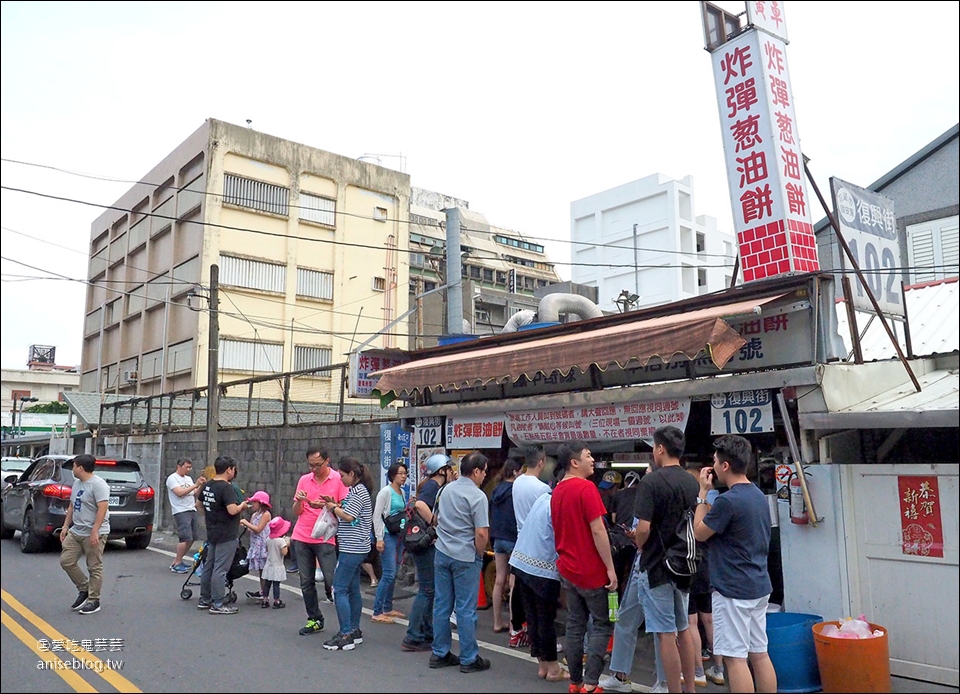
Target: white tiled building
678	254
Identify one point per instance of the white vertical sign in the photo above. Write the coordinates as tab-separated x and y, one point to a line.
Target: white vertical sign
768	16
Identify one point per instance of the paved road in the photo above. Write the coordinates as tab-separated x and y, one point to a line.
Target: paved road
166	644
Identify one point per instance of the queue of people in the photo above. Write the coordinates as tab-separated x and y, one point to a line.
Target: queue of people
551	547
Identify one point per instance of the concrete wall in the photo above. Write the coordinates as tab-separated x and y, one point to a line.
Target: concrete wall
269	459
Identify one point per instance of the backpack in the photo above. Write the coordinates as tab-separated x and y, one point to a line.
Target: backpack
681	554
418	535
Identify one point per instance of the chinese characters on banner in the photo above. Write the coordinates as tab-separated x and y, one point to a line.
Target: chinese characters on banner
920	519
761	145
636	420
869	225
361	383
769	17
478	431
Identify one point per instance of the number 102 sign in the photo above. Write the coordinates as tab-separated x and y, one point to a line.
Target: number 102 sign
741	412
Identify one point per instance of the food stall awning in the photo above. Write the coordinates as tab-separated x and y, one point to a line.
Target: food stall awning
624	345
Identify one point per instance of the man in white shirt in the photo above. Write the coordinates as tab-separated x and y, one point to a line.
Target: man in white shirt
182	490
528	486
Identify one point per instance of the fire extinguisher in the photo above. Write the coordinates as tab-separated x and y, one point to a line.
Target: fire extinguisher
798	509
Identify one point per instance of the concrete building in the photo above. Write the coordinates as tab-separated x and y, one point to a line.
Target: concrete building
501	272
644	238
312	249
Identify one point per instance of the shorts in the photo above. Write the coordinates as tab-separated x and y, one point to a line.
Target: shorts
188	526
664	607
700	602
739	626
503	546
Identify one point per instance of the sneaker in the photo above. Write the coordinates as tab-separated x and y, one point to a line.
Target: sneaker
612	684
705	655
715	675
81	598
89	607
203	605
293	570
180	568
415	646
357	637
447	660
698	679
340	642
659	687
478	665
519	639
254	594
374	583
312	627
328	599
223	609
318	576
278	604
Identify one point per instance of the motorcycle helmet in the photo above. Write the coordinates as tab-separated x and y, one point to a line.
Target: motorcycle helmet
436	462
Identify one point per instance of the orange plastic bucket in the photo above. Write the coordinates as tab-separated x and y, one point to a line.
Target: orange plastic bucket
853	665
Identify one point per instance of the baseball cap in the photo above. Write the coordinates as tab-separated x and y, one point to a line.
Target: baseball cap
611	478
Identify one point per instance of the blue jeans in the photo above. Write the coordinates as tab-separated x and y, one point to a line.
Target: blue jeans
216	564
625	630
390	559
346	591
421	612
586	605
457	584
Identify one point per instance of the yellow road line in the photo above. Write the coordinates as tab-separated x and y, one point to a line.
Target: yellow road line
69	676
118	681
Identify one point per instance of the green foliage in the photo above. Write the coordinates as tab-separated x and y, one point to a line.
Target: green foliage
50	408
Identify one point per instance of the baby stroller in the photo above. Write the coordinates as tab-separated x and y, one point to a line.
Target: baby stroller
238	569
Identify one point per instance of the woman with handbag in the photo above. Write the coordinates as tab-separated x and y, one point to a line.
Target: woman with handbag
355	518
388	515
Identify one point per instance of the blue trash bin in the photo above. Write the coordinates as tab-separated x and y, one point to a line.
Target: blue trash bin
792	651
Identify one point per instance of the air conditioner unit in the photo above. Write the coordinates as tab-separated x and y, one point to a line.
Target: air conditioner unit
130	376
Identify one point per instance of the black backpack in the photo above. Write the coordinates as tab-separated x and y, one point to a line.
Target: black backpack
681	554
418	535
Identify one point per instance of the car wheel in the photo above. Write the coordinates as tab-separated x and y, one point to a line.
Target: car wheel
138	541
29	542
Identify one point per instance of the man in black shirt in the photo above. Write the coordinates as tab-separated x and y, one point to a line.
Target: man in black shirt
662	498
222	516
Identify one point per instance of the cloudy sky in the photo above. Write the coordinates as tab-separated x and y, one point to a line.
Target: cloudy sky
519	108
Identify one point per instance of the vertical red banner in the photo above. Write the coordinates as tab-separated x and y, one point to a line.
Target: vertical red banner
920	518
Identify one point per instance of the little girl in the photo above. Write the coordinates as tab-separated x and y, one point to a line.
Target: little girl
258	525
274	572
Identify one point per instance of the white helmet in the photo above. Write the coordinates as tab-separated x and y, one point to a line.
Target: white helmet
436	462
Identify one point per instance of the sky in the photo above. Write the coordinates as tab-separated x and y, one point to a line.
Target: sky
519	108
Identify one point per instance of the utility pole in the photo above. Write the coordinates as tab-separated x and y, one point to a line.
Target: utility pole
636	265
454	294
213	366
418	343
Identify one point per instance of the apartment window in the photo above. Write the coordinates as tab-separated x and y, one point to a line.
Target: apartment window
501	277
379	284
314	284
252	274
487	275
380	214
429	286
528	283
417	260
313	208
475	272
240	355
312	358
701	243
701	281
15	395
482	315
256	195
135	300
933	249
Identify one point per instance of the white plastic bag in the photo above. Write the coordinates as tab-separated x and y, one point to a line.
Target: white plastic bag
325	527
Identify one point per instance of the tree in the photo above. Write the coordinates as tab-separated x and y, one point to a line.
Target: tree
50	408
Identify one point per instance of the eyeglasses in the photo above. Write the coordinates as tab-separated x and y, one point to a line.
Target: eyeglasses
317	464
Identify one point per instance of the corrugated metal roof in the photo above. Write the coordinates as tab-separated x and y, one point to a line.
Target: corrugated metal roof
33	420
933	310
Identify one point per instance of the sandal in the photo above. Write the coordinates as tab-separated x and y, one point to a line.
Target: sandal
382	619
564	675
397	614
278	604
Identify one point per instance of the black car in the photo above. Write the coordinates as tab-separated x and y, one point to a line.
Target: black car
36	504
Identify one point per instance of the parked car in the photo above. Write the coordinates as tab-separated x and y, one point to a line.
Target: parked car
36	504
12	467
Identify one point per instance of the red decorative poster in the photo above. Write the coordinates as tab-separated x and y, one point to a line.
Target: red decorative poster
920	516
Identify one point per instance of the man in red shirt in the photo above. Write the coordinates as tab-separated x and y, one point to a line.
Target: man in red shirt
308	502
585	563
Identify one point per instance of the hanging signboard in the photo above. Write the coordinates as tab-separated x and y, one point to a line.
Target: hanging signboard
869	226
428	432
920	519
741	412
769	17
361	383
634	420
477	431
